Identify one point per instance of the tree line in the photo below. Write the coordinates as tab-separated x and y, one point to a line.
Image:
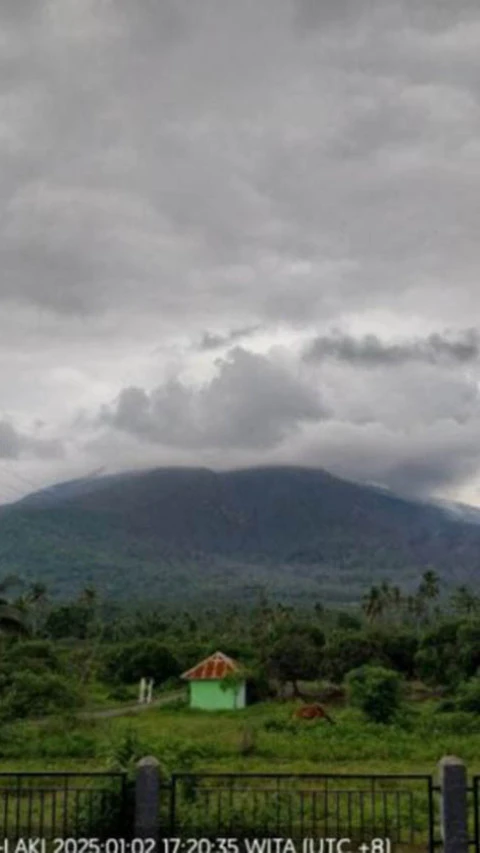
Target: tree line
57	655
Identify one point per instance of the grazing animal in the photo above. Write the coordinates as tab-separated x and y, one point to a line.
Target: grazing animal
312	712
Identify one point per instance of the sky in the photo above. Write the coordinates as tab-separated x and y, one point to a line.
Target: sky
241	233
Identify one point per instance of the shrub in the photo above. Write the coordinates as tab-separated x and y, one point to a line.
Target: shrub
446	706
35	655
247	742
469	696
274	725
126	751
376	691
132	661
33	695
120	693
345	651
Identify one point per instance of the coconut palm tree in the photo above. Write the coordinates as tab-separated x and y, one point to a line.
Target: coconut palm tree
464	601
427	593
13	622
32	603
373	604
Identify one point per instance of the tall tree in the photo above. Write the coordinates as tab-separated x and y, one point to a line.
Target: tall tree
464	601
428	591
13	621
373	604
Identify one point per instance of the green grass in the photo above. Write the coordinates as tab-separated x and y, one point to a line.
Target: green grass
185	739
262	738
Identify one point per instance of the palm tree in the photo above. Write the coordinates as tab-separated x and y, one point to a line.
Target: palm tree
12	618
95	630
397	602
464	601
427	592
34	602
373	604
430	585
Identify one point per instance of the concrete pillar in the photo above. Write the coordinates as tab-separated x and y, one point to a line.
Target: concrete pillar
454	809
147	801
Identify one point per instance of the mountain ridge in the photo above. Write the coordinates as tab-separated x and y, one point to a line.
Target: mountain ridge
187	534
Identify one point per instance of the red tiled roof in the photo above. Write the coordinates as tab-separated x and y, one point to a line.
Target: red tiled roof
217	665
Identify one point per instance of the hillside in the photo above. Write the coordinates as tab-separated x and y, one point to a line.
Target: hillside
194	535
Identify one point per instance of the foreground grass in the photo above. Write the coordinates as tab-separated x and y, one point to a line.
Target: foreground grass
258	739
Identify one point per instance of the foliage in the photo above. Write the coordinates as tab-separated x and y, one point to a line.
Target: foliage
36	655
347	650
376	691
188	536
293	657
469	696
438	659
32	694
144	658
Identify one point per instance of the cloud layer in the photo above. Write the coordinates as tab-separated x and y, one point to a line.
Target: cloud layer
234	233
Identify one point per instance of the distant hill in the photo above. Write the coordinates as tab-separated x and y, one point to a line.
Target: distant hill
193	535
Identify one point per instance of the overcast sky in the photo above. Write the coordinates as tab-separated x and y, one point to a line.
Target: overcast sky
240	233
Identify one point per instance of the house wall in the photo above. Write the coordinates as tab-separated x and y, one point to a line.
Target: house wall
208	695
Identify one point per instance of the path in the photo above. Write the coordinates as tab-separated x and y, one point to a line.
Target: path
125	710
131	709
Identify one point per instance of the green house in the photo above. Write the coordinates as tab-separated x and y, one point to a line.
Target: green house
216	684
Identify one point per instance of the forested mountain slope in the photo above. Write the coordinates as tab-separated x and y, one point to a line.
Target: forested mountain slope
187	534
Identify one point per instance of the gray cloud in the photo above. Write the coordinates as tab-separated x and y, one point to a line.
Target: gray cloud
287	167
14	444
416	463
371	351
252	402
211	341
10	441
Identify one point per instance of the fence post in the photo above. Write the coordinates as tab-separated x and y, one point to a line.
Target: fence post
453	802
147	788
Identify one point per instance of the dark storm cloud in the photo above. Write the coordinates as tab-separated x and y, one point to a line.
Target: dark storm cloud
371	351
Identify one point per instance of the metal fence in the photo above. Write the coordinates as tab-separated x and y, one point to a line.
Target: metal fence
61	805
475	790
300	806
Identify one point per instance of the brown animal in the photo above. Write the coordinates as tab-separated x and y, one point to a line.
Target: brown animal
312	712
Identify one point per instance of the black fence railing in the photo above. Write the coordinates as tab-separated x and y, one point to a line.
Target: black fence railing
60	805
400	809
475	792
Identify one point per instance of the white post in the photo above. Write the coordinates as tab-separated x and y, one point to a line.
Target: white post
149	691
141	693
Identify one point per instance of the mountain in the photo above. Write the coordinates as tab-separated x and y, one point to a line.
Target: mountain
188	535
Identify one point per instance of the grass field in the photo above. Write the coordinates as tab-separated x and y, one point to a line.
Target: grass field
260	738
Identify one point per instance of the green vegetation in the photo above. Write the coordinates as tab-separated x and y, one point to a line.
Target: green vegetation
185	536
184	739
376	691
369	668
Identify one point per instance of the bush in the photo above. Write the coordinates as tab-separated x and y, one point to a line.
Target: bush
247	742
120	693
469	696
35	655
33	695
145	658
347	650
376	691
